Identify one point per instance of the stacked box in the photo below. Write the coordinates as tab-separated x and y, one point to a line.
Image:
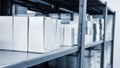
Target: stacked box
6	32
20	33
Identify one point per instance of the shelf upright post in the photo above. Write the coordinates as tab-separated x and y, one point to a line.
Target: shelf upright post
113	35
105	12
81	33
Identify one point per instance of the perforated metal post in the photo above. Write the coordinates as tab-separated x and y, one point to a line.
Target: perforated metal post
81	32
113	35
105	12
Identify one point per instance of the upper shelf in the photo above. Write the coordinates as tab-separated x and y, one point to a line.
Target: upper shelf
62	6
89	46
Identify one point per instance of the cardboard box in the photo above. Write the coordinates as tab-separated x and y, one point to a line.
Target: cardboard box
62	28
50	33
74	25
68	35
20	33
37	35
96	30
58	28
42	34
6	32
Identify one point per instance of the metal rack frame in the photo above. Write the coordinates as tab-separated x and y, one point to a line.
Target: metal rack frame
81	41
82	7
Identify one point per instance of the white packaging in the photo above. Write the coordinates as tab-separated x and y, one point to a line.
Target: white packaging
101	28
37	34
62	35
20	33
87	40
98	32
58	28
75	26
50	33
96	21
68	35
6	32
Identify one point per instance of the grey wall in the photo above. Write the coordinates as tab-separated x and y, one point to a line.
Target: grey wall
115	4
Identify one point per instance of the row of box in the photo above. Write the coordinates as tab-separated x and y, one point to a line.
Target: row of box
34	34
94	29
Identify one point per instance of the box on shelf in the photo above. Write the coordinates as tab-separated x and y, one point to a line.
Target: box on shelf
96	30
57	39
50	33
42	34
20	33
74	25
95	59
101	23
88	39
6	32
36	34
62	34
89	29
68	35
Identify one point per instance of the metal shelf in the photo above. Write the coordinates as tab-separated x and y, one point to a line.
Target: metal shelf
57	6
109	40
12	59
93	44
97	7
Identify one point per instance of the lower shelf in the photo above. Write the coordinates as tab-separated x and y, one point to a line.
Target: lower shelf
12	59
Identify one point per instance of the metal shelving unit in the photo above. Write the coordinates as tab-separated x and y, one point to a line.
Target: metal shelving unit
93	7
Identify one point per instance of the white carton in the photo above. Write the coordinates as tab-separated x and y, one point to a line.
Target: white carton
62	34
20	33
96	21
68	35
6	32
75	26
50	33
37	34
58	28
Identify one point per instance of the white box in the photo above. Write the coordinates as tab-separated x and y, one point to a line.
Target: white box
58	28
62	35
86	39
50	31
20	33
6	32
68	35
75	26
37	34
96	22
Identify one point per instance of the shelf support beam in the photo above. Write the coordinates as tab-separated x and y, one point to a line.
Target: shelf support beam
81	32
103	46
113	35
